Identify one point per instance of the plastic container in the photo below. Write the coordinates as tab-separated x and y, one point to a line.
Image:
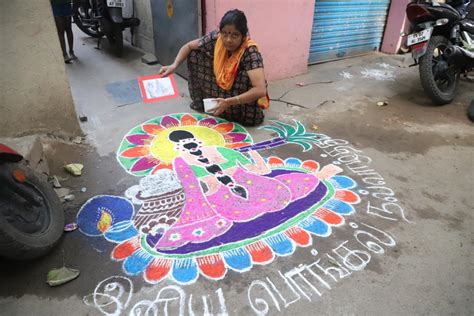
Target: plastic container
209	105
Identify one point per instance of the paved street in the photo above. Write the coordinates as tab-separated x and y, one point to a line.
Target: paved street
390	232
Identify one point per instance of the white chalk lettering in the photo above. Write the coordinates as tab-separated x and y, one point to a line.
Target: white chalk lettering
384	193
341	150
356	260
261	301
317	276
329	142
371	245
292	277
360	169
385	210
347	159
335	270
286	302
377	179
361	159
147	307
111	296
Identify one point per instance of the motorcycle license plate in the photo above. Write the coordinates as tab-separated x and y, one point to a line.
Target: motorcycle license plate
115	3
419	37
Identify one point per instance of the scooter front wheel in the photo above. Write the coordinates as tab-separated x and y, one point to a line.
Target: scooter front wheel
31	216
438	78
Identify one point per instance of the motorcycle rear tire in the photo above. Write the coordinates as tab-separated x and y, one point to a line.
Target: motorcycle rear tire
427	77
18	245
78	21
470	111
115	38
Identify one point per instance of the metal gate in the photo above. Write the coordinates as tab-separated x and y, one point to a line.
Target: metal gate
346	28
175	23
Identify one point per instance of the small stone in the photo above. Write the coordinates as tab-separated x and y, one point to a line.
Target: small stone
83	189
83	118
62	192
55	182
382	103
69	198
77	140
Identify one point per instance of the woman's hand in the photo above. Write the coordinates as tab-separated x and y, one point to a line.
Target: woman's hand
167	70
222	105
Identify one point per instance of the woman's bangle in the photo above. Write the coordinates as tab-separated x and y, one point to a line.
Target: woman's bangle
238	99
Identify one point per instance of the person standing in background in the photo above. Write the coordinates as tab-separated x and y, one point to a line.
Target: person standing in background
62	11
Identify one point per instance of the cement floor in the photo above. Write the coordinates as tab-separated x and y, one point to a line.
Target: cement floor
411	234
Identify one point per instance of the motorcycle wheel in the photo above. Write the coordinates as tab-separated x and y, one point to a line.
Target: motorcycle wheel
81	12
115	38
470	111
28	231
438	78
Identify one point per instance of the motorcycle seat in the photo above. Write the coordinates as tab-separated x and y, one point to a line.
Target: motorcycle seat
467	25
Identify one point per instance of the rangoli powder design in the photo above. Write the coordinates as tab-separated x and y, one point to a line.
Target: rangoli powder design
208	202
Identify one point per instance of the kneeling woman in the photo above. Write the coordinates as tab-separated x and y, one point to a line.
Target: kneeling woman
226	65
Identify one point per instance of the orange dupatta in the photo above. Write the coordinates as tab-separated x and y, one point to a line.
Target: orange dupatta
226	67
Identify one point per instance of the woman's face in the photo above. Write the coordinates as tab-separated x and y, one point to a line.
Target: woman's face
231	37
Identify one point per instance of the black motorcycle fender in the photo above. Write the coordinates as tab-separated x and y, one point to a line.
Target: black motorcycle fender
116	15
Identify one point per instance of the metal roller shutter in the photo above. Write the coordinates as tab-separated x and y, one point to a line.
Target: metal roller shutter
346	28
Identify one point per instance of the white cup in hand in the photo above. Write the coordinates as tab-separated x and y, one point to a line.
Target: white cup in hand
209	105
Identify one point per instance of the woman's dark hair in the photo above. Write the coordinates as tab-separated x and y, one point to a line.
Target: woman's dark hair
176	136
237	18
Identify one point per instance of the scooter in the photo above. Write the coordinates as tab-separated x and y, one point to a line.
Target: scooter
97	18
442	43
31	216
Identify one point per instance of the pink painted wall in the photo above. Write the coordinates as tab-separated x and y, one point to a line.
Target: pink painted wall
396	24
281	28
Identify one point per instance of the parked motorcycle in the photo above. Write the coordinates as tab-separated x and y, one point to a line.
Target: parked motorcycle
97	18
31	216
470	111
442	43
